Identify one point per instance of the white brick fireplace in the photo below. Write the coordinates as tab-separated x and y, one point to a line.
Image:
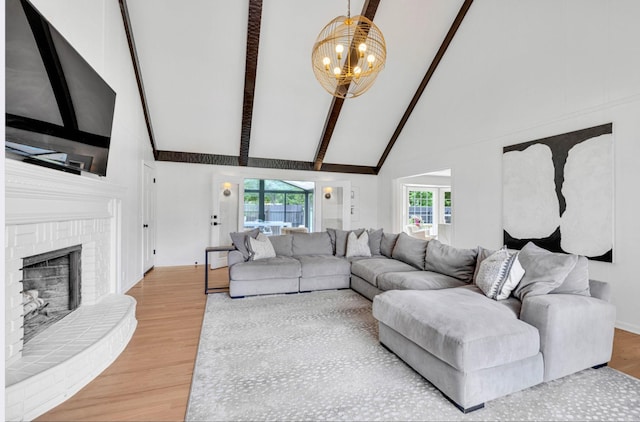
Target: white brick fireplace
47	210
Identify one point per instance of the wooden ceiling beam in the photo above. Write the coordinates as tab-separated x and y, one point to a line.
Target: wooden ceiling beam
369	11
269	163
251	68
124	10
427	77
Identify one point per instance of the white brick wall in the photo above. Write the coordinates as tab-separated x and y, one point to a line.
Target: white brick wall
31	239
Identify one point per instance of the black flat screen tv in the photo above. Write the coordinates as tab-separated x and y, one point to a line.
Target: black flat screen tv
59	111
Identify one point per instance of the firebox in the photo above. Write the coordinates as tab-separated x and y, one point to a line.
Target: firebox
50	288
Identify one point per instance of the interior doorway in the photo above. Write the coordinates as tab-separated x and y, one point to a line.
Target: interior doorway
427	206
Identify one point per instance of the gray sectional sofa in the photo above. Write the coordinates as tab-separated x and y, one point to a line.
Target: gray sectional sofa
435	318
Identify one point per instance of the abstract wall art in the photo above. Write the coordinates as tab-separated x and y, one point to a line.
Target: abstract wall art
558	193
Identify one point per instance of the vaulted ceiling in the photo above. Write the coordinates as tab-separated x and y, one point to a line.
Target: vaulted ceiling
230	81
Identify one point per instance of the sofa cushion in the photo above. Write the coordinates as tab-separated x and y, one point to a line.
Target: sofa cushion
452	261
282	244
483	254
499	274
544	271
410	250
387	243
358	245
260	247
339	239
265	269
417	280
577	282
375	239
370	269
312	244
323	265
239	240
459	326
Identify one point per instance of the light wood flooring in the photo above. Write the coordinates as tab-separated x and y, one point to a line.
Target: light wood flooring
150	380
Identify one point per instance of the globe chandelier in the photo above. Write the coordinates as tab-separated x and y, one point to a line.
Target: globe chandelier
348	55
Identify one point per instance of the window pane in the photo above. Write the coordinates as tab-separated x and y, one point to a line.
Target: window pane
251	184
420	207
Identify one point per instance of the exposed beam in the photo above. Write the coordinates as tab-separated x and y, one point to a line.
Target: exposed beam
369	11
124	10
269	163
52	65
251	67
427	77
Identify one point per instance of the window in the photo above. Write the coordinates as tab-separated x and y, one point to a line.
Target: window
273	204
446	205
420	206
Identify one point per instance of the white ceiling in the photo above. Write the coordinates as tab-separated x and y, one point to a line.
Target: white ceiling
192	60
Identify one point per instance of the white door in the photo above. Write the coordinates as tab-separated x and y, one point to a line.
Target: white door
226	214
333	205
148	217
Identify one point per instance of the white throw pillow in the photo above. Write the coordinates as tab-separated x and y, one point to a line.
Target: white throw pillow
358	246
499	274
261	247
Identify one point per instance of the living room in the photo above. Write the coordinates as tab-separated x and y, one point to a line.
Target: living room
514	72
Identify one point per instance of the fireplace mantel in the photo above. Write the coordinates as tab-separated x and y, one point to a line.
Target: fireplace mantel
35	194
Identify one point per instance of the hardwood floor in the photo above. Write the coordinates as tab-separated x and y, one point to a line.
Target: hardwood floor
150	381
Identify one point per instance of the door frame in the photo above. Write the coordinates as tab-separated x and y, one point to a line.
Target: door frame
219	259
149	199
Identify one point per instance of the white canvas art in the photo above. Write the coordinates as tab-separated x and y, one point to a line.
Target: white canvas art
558	193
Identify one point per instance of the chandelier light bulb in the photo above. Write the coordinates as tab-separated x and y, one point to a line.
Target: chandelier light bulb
370	59
357	71
336	71
339	50
362	48
326	62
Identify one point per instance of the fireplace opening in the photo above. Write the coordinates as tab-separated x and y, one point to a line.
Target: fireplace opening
50	288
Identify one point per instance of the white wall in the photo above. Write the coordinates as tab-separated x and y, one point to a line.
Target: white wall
520	71
185	202
96	30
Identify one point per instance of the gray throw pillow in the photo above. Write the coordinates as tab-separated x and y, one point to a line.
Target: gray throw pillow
483	254
410	250
332	236
341	240
387	243
448	260
577	282
282	244
239	240
544	271
375	238
312	244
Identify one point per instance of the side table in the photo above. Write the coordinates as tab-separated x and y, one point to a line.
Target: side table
209	249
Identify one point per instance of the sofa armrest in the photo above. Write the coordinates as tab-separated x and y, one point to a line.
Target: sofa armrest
576	332
600	290
234	257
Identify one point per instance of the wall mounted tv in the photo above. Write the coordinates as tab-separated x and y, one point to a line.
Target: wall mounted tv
59	111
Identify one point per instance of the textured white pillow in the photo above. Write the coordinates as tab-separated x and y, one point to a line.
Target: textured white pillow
358	246
499	274
261	247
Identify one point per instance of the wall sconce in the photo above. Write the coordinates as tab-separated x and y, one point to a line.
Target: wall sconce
227	189
327	192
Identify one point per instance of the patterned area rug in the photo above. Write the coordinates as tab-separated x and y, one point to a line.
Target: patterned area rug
316	356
